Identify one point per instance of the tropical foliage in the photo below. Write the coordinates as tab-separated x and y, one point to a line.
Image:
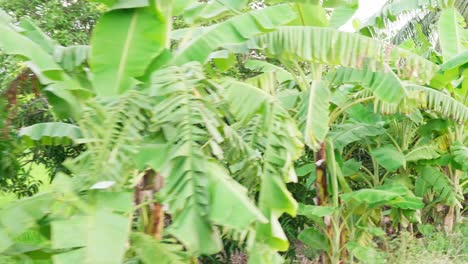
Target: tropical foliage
202	126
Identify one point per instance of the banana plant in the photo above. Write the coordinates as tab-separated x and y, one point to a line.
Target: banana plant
152	104
144	100
384	80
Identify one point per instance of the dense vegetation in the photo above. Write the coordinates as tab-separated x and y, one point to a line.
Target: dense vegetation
190	131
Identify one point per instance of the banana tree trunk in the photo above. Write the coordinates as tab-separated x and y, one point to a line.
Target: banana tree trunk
321	172
321	187
151	213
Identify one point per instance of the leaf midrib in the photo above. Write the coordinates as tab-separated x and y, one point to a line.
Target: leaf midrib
126	48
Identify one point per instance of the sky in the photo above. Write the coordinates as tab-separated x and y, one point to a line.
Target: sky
366	9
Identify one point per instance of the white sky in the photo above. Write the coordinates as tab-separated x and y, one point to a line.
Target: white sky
366	9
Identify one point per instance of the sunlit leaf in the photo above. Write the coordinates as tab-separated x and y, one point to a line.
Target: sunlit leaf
123	44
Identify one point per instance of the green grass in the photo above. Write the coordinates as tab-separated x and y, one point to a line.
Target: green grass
39	172
434	248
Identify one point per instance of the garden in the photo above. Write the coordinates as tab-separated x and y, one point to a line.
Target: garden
233	131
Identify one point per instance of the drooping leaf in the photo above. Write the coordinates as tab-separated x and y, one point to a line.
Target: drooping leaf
333	47
198	189
385	85
283	148
235	30
124	43
53	133
440	102
265	81
187	188
230	204
31	31
314	114
65	98
450	27
39	61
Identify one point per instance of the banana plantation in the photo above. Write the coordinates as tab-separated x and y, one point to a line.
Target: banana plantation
233	131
